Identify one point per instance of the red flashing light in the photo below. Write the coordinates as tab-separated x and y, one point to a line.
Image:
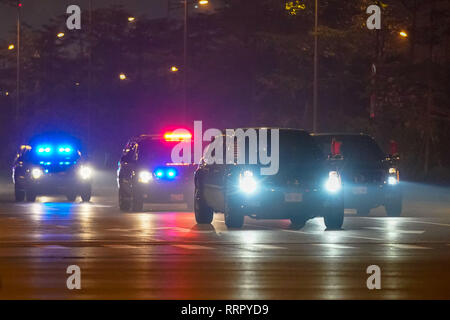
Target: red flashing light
335	147
19	4
169	136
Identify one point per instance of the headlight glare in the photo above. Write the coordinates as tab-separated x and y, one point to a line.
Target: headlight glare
145	176
36	173
392	180
85	172
333	183
247	182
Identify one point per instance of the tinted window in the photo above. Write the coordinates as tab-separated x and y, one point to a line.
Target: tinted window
353	148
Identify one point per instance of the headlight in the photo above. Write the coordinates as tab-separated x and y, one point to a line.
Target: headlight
247	182
392	170
85	172
392	180
36	173
333	183
145	176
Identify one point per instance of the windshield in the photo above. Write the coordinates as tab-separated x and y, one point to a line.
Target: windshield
353	148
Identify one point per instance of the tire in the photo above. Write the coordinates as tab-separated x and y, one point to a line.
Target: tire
86	194
124	202
334	217
19	195
234	218
31	196
394	207
362	211
71	196
298	222
203	213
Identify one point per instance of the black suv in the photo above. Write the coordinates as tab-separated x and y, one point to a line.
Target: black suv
305	186
147	174
50	165
370	178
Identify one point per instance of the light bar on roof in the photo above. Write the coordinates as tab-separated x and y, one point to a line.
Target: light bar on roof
170	136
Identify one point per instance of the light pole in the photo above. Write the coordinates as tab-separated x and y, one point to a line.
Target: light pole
19	5
315	85
185	38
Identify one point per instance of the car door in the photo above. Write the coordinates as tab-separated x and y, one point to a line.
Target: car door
127	163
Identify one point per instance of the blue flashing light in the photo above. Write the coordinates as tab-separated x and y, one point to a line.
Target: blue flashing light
165	173
171	173
159	173
65	149
44	149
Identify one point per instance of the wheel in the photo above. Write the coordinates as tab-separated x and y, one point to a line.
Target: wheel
19	194
234	218
363	211
124	201
86	194
298	221
203	213
31	196
394	207
71	196
334	216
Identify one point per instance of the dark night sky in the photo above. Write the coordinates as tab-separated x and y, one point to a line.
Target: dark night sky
38	12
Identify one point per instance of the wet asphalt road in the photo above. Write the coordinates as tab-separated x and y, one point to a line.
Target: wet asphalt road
163	254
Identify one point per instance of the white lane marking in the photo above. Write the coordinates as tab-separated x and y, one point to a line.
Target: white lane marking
396	230
333	246
120	246
432	223
192	247
410	221
265	246
406	246
339	233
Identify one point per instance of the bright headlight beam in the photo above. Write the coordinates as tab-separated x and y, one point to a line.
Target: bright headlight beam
247	182
36	173
392	180
145	176
333	183
85	172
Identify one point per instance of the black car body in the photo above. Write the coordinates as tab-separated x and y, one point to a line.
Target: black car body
51	165
147	174
370	178
297	191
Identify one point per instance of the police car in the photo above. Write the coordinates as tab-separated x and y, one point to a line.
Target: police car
370	177
147	173
305	185
48	165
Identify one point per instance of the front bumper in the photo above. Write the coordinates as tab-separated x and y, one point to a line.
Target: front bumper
166	191
56	183
283	203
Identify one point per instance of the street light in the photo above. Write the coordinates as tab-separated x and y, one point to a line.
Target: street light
203	2
131	19
174	69
122	76
11	47
60	35
403	34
